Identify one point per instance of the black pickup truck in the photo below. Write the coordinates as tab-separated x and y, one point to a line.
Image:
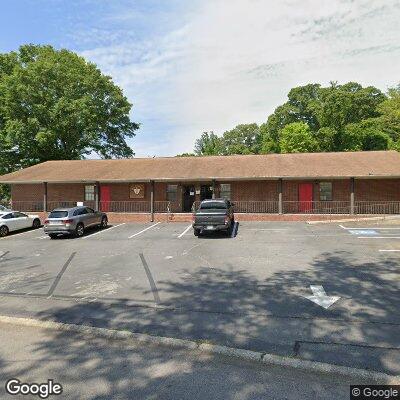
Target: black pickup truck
214	215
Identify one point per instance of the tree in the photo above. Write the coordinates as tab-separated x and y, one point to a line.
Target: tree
326	110
297	138
186	155
56	105
209	144
365	136
243	139
389	111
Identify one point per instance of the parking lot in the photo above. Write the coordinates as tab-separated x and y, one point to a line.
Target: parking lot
249	290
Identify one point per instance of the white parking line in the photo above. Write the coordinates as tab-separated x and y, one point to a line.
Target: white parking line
184	231
378	237
102	231
144	230
389	250
380	228
16	234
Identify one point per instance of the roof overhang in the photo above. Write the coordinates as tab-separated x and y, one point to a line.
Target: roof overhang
201	179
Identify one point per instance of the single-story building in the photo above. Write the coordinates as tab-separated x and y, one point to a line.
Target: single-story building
311	183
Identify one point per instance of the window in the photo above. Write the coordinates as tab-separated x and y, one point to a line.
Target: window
325	191
19	215
225	191
58	214
213	205
172	192
89	192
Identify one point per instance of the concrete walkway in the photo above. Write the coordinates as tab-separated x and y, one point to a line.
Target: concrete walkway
93	368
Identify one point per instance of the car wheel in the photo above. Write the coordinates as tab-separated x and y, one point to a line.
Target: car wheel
52	236
196	232
36	223
80	230
104	222
3	231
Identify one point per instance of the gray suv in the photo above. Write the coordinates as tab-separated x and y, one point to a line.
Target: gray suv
73	221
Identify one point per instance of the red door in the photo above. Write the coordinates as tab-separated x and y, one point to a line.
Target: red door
105	198
305	197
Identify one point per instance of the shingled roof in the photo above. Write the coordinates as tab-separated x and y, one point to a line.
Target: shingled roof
239	167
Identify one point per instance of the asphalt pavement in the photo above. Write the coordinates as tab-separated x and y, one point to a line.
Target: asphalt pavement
251	290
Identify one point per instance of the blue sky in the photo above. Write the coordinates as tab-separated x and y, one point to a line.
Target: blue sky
191	66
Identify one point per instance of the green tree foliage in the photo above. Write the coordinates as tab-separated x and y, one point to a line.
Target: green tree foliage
243	139
56	105
209	144
327	111
389	118
185	155
297	138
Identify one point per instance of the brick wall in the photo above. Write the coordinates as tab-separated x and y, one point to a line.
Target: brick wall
27	192
365	190
377	190
254	191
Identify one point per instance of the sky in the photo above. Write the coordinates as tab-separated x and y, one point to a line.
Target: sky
193	66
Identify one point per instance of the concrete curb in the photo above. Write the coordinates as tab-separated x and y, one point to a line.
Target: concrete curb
239	354
338	221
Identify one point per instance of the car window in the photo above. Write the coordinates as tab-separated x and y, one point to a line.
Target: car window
82	211
18	215
90	210
58	214
213	205
7	216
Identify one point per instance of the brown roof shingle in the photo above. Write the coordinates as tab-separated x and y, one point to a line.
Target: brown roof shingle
272	166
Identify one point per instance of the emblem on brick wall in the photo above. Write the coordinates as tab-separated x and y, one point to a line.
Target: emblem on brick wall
137	191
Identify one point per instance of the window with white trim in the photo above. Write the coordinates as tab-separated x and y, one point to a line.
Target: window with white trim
89	192
325	191
172	193
225	191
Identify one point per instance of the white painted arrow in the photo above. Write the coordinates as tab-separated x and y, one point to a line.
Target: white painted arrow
319	297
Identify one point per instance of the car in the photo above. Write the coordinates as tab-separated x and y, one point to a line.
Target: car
214	215
73	221
14	220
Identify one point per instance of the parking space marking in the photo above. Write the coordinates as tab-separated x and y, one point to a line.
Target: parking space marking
379	228
153	286
60	274
102	231
185	231
389	250
378	237
18	234
144	230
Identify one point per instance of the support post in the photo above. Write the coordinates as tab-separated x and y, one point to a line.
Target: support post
152	201
97	196
213	188
45	196
352	187
280	201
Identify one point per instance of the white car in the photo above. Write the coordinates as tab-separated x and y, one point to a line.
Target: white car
15	220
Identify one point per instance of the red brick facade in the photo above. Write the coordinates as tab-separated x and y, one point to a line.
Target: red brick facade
365	190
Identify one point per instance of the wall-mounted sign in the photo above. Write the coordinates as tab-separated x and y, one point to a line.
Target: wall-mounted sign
197	191
137	191
191	193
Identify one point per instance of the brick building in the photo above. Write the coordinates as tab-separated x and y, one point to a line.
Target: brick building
307	183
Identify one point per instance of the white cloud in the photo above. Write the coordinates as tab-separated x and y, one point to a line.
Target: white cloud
234	62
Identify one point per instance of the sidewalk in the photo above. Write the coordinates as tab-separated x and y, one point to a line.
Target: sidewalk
93	368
